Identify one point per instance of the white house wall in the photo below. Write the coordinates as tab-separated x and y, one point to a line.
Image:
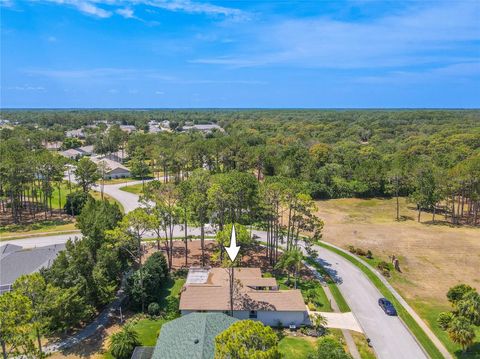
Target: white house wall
271	318
118	173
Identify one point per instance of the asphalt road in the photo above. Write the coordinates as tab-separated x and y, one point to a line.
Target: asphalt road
128	200
390	338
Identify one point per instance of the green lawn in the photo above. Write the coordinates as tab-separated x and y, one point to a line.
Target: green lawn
98	196
342	303
148	330
136	188
117	180
430	311
14	231
296	347
402	313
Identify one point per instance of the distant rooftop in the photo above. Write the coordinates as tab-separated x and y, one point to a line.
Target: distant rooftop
15	261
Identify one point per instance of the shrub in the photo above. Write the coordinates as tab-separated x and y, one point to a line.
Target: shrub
361	252
172	310
153	309
328	347
457	292
369	254
351	249
123	343
444	319
384	268
153	276
180	273
247	339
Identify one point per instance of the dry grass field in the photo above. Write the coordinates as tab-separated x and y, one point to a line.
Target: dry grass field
433	257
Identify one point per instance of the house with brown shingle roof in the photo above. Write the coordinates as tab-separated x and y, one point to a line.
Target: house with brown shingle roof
254	297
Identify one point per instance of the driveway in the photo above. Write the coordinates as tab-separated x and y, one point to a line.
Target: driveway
340	320
128	200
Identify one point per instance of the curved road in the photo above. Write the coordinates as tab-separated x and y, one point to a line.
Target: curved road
390	338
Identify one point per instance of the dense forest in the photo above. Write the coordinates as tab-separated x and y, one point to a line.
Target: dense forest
430	156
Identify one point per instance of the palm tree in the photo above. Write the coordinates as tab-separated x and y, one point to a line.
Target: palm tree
123	343
319	322
461	332
291	261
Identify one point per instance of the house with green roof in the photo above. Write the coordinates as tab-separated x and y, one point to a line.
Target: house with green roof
191	336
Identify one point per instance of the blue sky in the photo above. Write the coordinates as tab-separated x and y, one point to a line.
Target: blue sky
187	53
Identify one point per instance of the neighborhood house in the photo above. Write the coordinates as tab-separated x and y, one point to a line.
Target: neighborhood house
112	169
255	297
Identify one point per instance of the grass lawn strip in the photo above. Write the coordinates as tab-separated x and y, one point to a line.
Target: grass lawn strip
360	340
296	347
135	188
409	321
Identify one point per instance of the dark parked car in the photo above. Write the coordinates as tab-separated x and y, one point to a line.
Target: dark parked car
387	307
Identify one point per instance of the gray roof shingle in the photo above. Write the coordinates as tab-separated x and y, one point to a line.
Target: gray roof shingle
191	336
19	261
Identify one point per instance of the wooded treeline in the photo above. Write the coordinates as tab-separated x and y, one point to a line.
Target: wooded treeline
430	156
28	177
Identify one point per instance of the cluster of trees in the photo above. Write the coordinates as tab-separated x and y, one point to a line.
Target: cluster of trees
247	339
28	177
461	321
222	199
83	278
145	284
432	157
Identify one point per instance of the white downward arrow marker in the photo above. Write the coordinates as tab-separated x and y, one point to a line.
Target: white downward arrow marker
233	249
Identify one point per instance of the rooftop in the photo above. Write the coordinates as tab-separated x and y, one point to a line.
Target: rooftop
191	336
112	165
208	289
15	261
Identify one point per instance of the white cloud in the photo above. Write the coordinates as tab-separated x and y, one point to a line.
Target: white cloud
414	37
106	8
196	7
126	13
86	6
159	93
51	39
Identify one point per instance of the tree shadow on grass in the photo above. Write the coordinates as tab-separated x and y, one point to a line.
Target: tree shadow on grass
473	352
